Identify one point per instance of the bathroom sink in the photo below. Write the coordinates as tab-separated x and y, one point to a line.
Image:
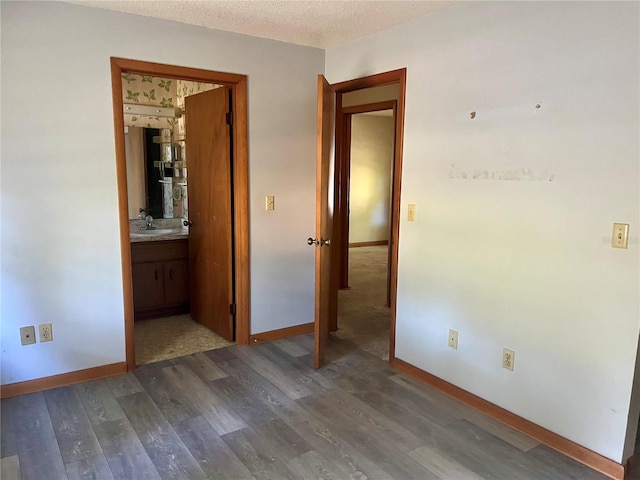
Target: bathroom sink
155	232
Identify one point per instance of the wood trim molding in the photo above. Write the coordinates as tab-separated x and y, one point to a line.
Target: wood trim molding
238	84
631	465
401	77
282	333
373	243
550	439
369	107
241	211
123	213
174	71
61	380
343	187
378	80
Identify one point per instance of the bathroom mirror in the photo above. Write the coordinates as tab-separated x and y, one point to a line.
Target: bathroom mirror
154	118
154	176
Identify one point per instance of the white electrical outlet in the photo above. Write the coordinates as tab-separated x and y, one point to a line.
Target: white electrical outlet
453	339
46	332
508	358
27	335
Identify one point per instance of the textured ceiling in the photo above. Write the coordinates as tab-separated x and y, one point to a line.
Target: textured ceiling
316	23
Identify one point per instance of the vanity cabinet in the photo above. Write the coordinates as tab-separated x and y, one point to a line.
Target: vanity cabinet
160	278
177	281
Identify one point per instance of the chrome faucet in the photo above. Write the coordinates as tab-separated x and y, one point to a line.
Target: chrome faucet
148	220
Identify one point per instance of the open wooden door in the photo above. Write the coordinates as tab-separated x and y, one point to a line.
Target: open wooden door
208	152
324	217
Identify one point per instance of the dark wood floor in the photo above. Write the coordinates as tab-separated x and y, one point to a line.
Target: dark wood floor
262	412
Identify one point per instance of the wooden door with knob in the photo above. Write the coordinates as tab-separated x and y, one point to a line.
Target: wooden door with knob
209	160
324	218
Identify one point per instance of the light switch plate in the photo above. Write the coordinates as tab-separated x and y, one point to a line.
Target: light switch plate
411	215
620	237
270	202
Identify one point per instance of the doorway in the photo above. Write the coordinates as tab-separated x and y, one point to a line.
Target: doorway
236	86
332	214
363	300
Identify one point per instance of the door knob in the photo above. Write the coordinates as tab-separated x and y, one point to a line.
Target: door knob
187	223
319	243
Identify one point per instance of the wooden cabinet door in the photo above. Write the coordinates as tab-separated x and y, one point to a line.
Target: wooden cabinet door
148	285
176	282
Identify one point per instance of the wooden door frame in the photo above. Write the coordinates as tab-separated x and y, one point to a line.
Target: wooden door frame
341	186
238	84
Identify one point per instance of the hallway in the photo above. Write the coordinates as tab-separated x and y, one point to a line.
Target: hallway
363	318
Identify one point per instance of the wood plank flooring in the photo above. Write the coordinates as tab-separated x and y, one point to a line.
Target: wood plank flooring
262	412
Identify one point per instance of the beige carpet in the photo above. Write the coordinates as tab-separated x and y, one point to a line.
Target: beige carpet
170	337
363	318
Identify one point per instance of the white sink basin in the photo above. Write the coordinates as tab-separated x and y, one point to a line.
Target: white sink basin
155	232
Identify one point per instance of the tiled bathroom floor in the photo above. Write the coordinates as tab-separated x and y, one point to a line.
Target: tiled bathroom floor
170	337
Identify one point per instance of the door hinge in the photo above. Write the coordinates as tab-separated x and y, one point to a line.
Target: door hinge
232	309
229	118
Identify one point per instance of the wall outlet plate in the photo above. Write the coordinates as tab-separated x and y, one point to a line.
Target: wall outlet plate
46	332
27	335
508	358
453	339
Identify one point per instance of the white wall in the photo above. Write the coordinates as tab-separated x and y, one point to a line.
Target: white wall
525	265
60	239
370	177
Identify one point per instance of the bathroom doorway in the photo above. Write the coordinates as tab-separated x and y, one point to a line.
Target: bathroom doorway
168	269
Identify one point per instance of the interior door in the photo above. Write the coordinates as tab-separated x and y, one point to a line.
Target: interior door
208	154
324	217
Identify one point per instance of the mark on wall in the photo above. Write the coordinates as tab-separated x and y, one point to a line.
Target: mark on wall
502	113
516	175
